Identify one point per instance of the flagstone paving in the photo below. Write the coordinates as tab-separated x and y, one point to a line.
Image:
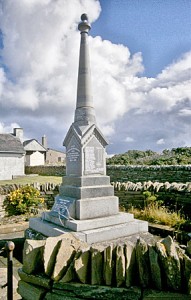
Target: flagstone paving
3	278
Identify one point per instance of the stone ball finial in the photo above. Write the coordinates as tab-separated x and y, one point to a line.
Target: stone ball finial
84	17
84	26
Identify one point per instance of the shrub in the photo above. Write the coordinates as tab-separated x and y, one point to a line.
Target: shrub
23	200
150	199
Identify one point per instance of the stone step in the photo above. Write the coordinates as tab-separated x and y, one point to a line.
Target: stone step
80	225
86	180
94	235
86	191
114	232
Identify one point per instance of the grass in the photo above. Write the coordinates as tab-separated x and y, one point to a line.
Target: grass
31	179
155	213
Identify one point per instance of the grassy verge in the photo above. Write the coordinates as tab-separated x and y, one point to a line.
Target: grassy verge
31	179
159	214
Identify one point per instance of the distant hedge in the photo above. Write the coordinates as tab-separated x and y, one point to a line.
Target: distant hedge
150	173
127	173
46	170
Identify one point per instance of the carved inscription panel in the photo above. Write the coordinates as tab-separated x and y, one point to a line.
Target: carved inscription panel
73	158
94	158
73	154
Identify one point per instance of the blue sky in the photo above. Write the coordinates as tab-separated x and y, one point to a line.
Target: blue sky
159	29
140	55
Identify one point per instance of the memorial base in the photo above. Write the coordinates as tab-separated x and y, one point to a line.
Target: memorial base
90	231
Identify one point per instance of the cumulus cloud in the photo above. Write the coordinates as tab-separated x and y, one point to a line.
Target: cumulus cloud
160	142
38	78
185	112
129	139
9	128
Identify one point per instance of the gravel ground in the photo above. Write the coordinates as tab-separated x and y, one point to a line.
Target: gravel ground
16	219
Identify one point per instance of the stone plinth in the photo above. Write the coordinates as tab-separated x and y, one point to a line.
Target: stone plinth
111	228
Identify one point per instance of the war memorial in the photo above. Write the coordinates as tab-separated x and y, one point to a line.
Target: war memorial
85	248
86	203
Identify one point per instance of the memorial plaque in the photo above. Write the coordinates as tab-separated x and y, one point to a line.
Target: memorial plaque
61	208
93	158
73	154
73	158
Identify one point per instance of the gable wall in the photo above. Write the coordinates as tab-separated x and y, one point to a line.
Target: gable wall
33	146
55	157
11	165
34	159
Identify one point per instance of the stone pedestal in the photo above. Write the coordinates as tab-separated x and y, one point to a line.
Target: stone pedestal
103	229
86	206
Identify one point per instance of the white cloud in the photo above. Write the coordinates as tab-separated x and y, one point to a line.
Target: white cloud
41	50
38	89
185	112
160	142
107	130
179	70
8	128
129	139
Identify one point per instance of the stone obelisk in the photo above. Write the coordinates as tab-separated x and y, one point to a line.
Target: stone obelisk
86	203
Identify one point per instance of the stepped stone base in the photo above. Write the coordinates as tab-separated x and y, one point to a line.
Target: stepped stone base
87	207
80	225
91	231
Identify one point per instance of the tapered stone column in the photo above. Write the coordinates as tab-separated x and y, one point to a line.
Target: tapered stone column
84	113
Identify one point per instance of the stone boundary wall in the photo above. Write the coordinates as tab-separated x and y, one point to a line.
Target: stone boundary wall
66	268
177	196
127	173
2	211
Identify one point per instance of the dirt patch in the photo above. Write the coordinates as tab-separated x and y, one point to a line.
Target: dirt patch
10	220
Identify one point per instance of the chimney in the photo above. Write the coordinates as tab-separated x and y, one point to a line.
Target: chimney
18	132
44	141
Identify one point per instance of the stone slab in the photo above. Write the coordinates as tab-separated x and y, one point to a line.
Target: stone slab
162	295
10	228
30	292
81	225
94	235
114	232
85	180
36	280
87	191
46	228
3	281
91	208
85	291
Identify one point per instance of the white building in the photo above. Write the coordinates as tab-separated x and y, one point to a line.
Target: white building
12	156
35	153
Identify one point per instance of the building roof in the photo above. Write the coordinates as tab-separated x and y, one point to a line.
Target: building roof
33	145
11	144
54	150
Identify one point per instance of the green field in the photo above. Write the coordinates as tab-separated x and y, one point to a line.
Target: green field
31	179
